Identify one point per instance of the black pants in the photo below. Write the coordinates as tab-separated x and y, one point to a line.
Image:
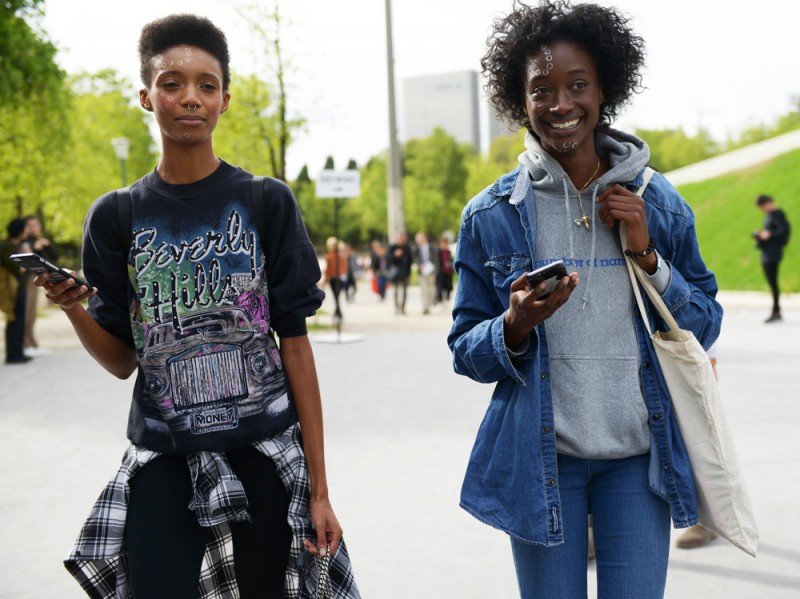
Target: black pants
165	543
771	272
15	331
336	286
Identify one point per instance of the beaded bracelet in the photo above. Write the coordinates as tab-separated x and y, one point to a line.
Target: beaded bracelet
651	247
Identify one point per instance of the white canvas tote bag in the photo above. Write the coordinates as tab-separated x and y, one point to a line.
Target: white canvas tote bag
723	504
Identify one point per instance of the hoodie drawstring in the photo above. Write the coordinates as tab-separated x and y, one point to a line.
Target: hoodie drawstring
585	297
586	287
569	216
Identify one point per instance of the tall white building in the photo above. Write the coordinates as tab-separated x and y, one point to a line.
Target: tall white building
445	100
453	102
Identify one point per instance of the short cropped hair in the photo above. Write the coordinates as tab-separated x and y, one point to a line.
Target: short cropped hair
763	199
603	32
165	33
16	227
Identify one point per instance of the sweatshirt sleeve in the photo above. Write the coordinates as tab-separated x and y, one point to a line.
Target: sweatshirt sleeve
105	266
292	266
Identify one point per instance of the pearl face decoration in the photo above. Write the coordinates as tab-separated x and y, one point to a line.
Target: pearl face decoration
562	96
548	57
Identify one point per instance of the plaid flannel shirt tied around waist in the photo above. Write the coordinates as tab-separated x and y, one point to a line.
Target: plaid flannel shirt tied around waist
98	559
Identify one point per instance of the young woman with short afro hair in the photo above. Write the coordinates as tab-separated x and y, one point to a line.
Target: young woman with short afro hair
580	421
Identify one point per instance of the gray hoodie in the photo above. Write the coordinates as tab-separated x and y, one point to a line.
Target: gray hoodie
598	405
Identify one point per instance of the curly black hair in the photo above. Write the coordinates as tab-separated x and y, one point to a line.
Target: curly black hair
604	33
173	30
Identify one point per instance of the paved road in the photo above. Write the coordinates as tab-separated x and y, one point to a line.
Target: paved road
399	429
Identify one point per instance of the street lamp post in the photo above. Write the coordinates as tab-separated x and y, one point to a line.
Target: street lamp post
395	189
122	146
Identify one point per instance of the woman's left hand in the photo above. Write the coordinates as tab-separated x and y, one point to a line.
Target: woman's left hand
329	531
619	204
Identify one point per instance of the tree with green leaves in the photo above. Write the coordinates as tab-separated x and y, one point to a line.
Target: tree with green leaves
102	109
253	127
266	23
27	58
365	217
434	182
33	126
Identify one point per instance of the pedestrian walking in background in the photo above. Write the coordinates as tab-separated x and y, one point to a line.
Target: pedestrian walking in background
444	276
39	244
353	268
426	257
12	290
580	420
218	494
335	271
379	264
771	240
400	270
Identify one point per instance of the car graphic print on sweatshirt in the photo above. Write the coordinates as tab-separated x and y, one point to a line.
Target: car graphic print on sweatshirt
201	325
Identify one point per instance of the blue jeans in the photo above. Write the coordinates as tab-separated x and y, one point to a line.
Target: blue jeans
631	535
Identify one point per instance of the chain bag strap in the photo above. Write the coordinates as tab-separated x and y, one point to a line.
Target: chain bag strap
324	585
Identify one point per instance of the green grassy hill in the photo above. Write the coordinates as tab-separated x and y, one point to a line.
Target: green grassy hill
727	215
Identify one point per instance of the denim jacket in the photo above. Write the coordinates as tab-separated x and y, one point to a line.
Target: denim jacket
511	481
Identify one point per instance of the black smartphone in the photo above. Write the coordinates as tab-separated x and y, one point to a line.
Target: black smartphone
551	274
35	263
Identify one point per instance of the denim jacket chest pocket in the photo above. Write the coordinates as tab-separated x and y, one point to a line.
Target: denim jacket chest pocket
504	270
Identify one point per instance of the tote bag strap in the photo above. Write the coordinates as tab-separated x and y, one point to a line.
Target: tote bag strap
635	273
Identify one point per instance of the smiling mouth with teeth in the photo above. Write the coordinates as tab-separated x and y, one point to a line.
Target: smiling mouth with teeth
565	125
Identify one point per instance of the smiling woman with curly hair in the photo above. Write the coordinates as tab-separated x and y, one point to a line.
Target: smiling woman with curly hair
580	422
617	52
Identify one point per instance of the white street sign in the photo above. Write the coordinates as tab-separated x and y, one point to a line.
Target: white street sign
338	184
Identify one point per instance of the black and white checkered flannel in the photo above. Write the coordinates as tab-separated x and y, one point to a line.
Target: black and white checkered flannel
98	559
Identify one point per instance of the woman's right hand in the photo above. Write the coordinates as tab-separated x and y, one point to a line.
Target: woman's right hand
526	310
66	295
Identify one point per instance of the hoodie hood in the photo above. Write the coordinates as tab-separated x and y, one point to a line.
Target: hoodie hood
627	155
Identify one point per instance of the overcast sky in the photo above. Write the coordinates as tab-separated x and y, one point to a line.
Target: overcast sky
722	64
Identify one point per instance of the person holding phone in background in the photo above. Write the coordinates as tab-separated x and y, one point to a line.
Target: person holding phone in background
218	494
771	240
580	421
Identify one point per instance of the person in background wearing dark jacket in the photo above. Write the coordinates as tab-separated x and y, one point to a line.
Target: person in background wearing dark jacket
380	268
771	241
15	310
400	270
444	278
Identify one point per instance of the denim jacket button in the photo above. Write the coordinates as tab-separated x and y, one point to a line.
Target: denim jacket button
547	429
544	375
551	482
656	417
646	364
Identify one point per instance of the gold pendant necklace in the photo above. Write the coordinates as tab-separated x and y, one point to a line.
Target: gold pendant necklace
584	220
